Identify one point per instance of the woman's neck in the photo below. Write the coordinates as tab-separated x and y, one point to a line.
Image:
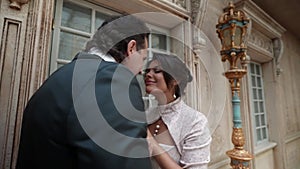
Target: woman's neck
165	100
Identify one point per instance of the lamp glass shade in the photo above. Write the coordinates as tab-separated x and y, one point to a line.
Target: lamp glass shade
238	36
227	38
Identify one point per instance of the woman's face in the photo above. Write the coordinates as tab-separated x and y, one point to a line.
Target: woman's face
155	82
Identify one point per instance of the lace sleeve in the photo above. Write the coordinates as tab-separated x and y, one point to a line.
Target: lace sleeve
196	145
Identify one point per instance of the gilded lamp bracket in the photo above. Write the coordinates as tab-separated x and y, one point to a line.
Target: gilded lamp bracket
232	29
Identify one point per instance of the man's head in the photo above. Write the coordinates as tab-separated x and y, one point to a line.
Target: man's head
124	38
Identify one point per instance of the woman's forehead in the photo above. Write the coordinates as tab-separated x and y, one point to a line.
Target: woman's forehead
154	63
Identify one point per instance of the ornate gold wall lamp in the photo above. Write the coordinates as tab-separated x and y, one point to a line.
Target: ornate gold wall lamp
232	30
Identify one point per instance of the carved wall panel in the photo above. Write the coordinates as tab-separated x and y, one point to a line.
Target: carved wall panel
293	154
198	11
24	56
11	61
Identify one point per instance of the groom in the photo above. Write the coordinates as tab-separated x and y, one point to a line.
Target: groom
89	113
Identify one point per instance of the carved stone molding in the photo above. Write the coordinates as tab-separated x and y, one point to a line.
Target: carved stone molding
16	4
198	42
198	11
178	3
277	52
39	34
261	41
181	3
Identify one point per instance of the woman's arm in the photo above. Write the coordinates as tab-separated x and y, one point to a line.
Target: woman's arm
196	145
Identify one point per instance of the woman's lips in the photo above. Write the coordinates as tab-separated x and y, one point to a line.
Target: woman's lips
149	82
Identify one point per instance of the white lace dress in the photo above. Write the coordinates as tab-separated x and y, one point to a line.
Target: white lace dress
172	151
188	129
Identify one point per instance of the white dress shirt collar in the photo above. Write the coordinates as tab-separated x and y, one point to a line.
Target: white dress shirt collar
106	58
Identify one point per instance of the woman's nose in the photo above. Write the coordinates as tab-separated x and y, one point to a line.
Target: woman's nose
148	74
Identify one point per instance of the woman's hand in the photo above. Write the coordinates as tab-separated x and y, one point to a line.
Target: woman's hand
154	147
149	139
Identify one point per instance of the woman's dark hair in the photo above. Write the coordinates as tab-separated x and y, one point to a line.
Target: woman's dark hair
113	36
173	69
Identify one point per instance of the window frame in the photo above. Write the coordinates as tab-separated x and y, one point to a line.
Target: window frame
160	31
252	108
58	28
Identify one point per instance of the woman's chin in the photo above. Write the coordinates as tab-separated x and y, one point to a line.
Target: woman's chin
149	89
155	91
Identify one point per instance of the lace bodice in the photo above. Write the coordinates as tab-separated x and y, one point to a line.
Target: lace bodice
189	130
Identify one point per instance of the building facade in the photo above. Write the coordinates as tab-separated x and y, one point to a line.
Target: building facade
39	36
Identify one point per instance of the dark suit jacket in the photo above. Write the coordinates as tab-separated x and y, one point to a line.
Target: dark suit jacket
63	129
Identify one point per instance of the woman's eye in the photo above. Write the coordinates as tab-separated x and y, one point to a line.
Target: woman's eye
157	71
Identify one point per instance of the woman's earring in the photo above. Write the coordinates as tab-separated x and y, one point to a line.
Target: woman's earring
174	95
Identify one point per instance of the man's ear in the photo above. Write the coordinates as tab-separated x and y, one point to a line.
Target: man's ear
131	47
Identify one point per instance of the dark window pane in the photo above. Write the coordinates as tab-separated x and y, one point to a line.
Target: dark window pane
159	41
253	80
257	70
254	94
264	133
255	107
76	17
263	120
100	18
260	93
70	44
257	121
258	134
261	106
252	68
258	82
